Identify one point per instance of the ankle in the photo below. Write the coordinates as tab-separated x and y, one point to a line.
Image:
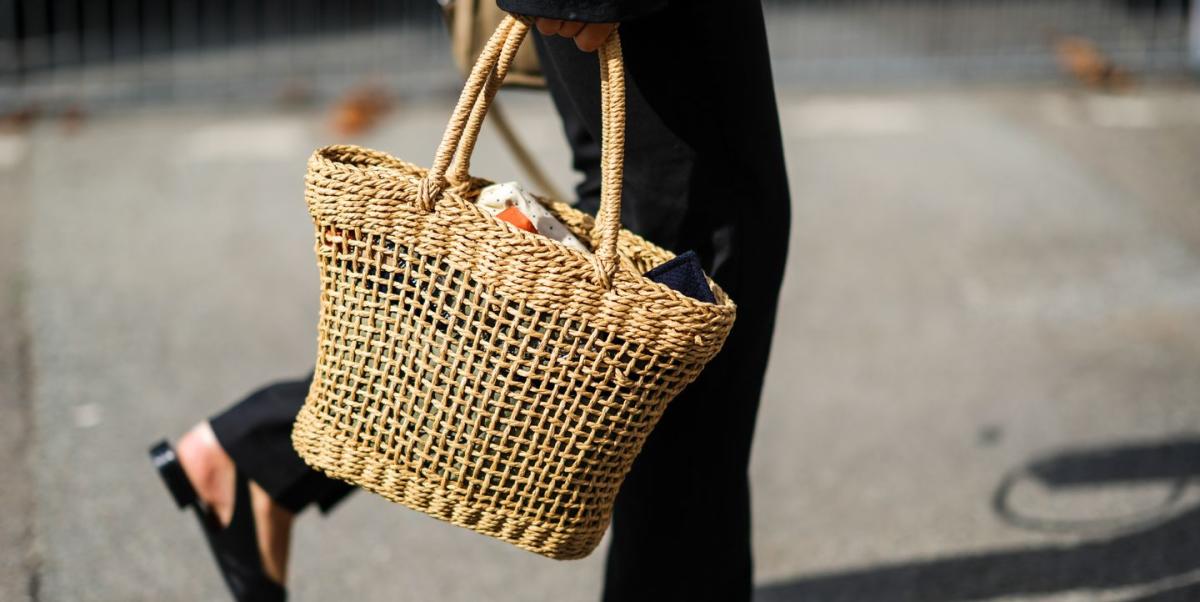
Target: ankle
274	526
210	470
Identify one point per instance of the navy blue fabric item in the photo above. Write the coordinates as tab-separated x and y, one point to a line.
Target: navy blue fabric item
685	275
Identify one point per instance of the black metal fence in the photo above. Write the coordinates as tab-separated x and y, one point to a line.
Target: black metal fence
49	33
55	52
819	42
116	51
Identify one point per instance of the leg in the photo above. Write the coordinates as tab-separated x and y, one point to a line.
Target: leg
585	153
704	171
252	438
257	434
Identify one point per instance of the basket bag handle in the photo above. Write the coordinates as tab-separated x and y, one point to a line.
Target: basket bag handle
462	132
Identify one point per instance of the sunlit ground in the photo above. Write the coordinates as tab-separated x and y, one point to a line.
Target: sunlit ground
985	385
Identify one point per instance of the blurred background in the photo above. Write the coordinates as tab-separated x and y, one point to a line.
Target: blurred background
986	376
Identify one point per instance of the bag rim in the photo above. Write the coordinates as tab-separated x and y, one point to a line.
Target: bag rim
392	170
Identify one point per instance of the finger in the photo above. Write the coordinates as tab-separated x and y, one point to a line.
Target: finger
570	29
548	27
593	36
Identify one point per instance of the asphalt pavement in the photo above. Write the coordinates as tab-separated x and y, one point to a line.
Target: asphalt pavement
985	383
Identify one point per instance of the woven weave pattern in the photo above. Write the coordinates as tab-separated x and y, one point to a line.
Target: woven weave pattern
485	375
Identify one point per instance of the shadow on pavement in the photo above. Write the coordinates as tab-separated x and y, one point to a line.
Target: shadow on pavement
1184	593
1166	546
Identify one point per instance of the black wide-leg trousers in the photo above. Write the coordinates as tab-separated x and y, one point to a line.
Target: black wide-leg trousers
704	171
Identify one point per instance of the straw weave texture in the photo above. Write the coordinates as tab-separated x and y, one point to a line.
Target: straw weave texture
487	376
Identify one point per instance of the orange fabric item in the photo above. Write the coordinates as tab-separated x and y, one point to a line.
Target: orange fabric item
514	216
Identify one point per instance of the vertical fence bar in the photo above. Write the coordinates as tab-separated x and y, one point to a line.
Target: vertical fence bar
35	47
156	48
1193	37
66	52
97	51
10	55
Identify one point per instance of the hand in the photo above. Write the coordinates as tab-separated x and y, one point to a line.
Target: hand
588	36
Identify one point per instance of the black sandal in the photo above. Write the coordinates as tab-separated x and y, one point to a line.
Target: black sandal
235	547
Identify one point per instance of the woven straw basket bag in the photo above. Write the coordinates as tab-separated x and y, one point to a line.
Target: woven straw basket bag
487	376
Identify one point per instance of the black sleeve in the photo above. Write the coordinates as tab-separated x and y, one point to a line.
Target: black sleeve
591	11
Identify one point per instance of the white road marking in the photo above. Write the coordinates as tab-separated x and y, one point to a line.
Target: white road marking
852	117
1122	112
247	139
13	148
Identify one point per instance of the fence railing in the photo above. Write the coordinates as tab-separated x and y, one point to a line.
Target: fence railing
108	52
821	42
